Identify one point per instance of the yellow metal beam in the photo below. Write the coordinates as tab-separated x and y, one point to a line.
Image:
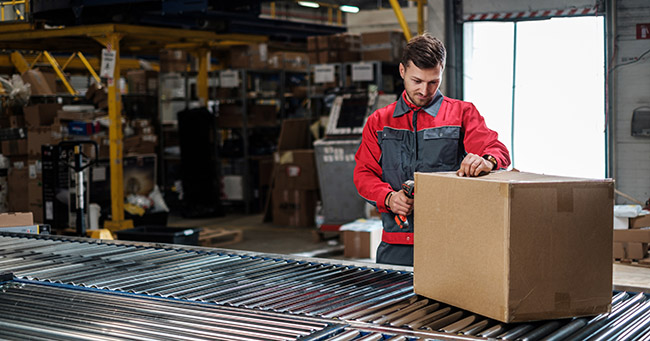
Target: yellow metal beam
421	4
57	70
112	41
400	18
76	64
202	77
89	67
19	62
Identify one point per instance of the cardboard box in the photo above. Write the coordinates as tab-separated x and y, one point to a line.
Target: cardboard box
296	61
173	61
36	137
384	46
361	238
632	235
64	115
295	134
296	169
253	56
294	207
514	246
262	115
640	222
17	200
312	43
323	42
630	250
16	219
14	147
37	212
142	82
16	121
38	82
41	114
140	144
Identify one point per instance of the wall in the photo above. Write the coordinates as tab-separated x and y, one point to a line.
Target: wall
630	90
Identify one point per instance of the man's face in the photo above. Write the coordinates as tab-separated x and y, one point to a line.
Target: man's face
420	84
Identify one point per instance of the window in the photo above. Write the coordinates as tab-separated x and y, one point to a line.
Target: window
551	114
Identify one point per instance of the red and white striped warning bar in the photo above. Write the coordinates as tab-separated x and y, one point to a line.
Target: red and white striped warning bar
541	14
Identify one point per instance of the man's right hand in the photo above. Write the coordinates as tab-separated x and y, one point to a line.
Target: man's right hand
400	204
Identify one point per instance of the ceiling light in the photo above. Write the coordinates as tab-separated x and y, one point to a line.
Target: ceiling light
308	4
349	9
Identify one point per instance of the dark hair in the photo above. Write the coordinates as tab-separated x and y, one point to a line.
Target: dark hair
425	51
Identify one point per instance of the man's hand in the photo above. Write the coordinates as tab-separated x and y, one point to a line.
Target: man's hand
400	204
474	165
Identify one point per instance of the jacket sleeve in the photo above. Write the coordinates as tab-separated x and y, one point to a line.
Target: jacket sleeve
481	140
367	171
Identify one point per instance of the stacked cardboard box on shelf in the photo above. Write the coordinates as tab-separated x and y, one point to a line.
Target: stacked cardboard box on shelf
337	48
386	46
25	171
142	82
295	184
631	242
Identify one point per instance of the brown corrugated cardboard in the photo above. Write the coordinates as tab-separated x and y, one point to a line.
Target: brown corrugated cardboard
16	219
514	246
632	235
296	169
41	114
16	121
630	250
294	134
142	82
361	238
38	83
173	61
640	222
14	147
384	46
294	207
36	137
37	212
312	43
17	200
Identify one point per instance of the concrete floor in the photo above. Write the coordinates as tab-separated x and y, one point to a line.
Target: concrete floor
264	237
259	236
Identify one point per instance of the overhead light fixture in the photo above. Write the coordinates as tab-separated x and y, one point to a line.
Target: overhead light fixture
308	4
349	9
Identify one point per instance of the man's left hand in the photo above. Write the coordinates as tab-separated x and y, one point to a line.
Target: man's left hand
474	165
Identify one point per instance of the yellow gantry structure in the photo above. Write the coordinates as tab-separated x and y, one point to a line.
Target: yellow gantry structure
122	39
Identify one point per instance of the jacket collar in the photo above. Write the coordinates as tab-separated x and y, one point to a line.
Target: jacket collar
403	105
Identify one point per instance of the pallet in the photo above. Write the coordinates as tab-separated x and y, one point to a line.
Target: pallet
645	263
215	237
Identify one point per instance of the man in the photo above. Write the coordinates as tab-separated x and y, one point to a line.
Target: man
423	131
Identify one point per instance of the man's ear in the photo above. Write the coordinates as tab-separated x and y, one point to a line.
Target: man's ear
402	70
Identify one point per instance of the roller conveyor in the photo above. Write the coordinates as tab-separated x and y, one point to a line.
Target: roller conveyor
86	289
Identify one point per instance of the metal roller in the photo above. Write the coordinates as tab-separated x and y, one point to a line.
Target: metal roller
131	288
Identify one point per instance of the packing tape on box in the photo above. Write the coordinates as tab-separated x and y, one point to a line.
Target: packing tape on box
562	301
564	199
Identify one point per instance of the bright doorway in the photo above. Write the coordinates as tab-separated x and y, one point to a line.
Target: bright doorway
551	114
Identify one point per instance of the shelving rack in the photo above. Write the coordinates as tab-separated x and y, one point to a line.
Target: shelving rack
123	39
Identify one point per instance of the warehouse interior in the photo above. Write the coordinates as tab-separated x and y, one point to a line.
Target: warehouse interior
184	170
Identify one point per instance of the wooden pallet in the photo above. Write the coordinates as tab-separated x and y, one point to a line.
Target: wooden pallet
636	262
215	237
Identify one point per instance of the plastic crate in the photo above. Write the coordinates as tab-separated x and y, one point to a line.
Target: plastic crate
162	234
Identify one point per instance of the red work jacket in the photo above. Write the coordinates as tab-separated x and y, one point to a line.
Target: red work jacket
401	139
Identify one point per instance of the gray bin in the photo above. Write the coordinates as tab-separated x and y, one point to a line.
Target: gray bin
335	165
